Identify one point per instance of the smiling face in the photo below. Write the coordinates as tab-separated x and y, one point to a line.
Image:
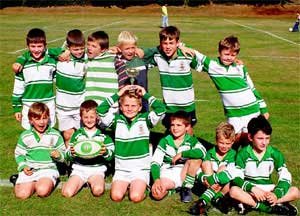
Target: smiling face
37	50
224	145
130	106
228	56
40	124
169	46
93	49
77	50
128	50
178	128
260	141
89	119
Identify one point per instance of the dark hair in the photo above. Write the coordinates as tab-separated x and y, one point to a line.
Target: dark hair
36	35
169	32
37	110
231	43
182	115
87	106
259	123
75	37
101	37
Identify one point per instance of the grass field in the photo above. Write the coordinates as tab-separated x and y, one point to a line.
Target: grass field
271	53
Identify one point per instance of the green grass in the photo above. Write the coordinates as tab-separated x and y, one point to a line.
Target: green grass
273	64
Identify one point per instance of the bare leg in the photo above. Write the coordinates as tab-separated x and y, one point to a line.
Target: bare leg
118	190
167	184
97	185
67	135
292	194
72	186
24	190
44	187
242	196
137	190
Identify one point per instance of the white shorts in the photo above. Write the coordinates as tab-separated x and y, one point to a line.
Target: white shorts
42	173
268	187
85	172
66	122
25	121
172	173
143	175
240	123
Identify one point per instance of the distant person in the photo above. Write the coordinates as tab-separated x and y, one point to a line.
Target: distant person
132	147
36	153
165	17
176	160
91	171
296	25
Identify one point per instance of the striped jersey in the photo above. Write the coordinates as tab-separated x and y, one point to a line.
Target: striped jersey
101	78
70	84
132	138
35	82
190	148
237	91
81	135
228	159
176	78
34	152
255	171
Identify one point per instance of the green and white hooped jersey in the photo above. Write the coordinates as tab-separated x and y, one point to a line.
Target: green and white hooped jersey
176	79
101	78
228	160
70	84
34	152
237	91
190	148
132	138
35	82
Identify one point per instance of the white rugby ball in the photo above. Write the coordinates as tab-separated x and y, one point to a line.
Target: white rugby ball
87	148
290	29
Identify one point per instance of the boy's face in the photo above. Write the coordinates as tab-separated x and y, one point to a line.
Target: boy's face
227	56
40	124
37	50
178	128
260	141
93	48
169	47
130	107
128	50
77	51
89	119
224	145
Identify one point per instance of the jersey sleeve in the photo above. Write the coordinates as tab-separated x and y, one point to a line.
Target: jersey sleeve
197	150
60	147
107	117
110	148
158	111
149	55
157	159
18	91
22	59
55	52
20	154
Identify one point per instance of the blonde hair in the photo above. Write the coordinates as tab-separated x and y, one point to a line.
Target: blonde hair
225	130
127	37
128	94
37	110
230	42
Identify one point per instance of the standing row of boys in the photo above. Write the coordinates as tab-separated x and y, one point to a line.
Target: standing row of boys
91	95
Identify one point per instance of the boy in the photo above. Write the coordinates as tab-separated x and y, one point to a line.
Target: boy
132	155
164	16
176	160
101	77
220	158
127	44
257	162
241	101
35	152
175	74
91	171
35	81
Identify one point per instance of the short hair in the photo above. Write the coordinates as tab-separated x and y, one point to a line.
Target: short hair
88	105
36	35
259	123
169	32
230	42
127	37
101	37
75	37
129	94
182	115
225	130
37	110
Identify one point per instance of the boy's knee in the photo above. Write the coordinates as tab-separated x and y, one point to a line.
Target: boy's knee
136	197
43	191
97	190
67	193
233	191
117	197
22	194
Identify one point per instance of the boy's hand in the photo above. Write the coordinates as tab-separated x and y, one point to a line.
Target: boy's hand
114	50
271	198
239	62
157	187
103	150
65	56
28	171
17	67
186	51
139	53
140	90
18	116
72	151
176	158
266	115
125	88
216	187
259	194
55	154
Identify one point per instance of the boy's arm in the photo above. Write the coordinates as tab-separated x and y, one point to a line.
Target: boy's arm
197	151
157	159
20	62
20	154
158	111
107	118
18	91
110	148
149	54
60	148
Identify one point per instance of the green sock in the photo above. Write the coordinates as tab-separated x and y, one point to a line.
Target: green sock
218	195
263	207
188	181
208	195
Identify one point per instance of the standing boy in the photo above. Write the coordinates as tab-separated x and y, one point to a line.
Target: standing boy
132	130
257	162
164	16
35	81
91	171
36	151
176	160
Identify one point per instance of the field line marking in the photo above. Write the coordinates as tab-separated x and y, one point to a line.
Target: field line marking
272	57
262	31
63	38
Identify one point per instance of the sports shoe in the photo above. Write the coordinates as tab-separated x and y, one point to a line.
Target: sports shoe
292	210
198	208
186	194
280	209
241	209
13	178
222	204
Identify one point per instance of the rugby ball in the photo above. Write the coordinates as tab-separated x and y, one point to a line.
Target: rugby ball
290	29
87	148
